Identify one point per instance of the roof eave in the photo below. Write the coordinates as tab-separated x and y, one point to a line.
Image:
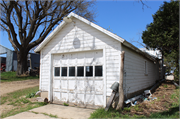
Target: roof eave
129	45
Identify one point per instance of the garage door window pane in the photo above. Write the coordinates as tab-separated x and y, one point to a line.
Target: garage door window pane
57	71
64	71
80	71
98	71
71	71
89	71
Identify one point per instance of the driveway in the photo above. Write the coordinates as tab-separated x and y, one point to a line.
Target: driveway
64	112
7	87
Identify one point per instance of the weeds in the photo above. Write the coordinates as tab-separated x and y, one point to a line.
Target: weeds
136	108
3	100
34	112
126	109
173	96
55	116
65	104
51	115
165	86
30	95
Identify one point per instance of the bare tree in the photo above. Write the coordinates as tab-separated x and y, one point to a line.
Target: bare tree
29	22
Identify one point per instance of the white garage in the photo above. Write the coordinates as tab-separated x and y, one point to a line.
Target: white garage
79	61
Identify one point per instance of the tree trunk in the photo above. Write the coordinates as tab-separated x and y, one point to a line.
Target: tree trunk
21	62
121	92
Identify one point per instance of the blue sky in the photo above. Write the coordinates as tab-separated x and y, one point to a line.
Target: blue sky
127	19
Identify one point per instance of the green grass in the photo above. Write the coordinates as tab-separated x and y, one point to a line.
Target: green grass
20	103
65	104
165	86
171	113
111	113
11	76
17	94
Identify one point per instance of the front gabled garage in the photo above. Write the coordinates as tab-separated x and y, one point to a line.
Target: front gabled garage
79	61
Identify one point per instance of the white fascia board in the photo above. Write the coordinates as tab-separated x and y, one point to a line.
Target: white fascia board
129	45
98	27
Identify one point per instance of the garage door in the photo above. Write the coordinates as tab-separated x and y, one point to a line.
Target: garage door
78	79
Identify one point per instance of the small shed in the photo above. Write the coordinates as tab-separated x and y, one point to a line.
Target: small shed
80	60
11	59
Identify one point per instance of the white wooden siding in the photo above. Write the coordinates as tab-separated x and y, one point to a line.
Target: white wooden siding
134	66
87	38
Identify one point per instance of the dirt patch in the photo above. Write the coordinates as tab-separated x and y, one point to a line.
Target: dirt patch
162	103
7	87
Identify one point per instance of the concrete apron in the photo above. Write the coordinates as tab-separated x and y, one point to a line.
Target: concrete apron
59	110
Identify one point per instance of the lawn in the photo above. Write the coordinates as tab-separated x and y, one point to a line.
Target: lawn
18	102
11	76
165	106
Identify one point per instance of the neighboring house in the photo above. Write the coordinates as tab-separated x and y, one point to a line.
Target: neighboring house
79	61
11	59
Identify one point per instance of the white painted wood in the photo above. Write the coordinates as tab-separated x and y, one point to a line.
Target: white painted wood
40	75
135	71
104	75
50	94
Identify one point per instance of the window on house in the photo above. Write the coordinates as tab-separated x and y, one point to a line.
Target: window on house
80	71
63	71
57	71
89	71
98	71
71	71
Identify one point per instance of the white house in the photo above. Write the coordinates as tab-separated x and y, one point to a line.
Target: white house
80	60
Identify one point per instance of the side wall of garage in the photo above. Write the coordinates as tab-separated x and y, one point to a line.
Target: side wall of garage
78	37
139	72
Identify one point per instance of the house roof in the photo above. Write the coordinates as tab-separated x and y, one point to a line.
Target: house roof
114	36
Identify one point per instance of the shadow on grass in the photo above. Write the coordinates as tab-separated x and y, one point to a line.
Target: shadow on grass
171	113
